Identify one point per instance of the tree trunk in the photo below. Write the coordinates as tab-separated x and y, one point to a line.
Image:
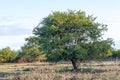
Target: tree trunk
74	61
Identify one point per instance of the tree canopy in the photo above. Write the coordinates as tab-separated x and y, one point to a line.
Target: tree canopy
71	35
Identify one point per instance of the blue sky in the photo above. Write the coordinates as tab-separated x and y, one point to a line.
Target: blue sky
19	17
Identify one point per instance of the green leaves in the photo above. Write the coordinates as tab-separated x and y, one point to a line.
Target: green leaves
7	55
31	53
71	35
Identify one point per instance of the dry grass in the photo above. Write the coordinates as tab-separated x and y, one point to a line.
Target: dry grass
105	70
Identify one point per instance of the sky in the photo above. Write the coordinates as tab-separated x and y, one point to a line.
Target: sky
19	17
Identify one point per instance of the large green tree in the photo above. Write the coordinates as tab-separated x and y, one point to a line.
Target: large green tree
70	35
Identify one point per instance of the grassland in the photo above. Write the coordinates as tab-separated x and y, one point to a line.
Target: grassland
92	70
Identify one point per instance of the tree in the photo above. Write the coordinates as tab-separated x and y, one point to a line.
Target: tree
69	36
30	54
30	51
7	55
116	53
100	49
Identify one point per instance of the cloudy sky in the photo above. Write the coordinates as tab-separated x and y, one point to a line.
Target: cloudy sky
19	17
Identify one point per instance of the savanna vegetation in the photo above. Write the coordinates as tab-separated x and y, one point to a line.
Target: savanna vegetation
90	70
69	46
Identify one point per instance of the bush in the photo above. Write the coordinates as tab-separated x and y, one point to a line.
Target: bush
7	55
116	54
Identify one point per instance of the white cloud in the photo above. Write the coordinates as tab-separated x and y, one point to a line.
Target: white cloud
14	42
113	22
20	22
17	25
14	30
117	44
113	31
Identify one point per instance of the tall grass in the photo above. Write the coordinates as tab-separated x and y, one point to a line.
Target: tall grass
105	70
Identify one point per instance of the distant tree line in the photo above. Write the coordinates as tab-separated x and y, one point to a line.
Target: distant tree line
26	54
31	54
115	53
